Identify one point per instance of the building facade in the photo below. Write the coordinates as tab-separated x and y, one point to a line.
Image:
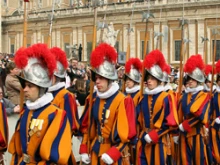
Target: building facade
73	25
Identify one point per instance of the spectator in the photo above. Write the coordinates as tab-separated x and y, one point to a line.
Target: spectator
2	77
12	83
9	106
73	70
81	91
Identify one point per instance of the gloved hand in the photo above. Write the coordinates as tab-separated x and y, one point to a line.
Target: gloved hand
147	138
85	158
181	127
176	139
217	120
107	159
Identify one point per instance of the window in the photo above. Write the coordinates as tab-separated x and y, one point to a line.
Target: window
89	50
142	49
217	57
67	49
177	50
12	48
117	46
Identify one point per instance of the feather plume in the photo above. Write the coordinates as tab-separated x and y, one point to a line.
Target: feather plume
208	70
60	56
167	69
103	52
195	61
155	57
136	64
39	51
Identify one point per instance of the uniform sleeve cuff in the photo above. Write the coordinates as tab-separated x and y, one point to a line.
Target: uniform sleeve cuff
154	136
114	153
186	126
83	149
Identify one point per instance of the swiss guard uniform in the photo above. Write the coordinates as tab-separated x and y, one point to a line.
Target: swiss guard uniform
42	134
133	69
62	97
109	127
3	132
173	136
215	119
193	109
154	113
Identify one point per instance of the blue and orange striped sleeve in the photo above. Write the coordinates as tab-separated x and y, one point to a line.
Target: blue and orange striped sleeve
3	129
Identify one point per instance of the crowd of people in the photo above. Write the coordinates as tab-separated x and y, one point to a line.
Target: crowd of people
128	118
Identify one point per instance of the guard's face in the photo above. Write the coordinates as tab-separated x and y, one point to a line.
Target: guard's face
151	82
31	92
129	83
208	83
101	83
192	83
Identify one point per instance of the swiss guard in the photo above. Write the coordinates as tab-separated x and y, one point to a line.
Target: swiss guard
62	97
154	112
193	109
215	119
42	134
109	127
3	133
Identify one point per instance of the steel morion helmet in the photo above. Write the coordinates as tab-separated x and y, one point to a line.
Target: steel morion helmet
133	69
166	73
62	63
194	68
103	60
208	72
154	64
37	64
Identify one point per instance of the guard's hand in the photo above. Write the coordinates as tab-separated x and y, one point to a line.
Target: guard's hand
217	120
181	128
17	109
107	159
85	158
176	139
147	138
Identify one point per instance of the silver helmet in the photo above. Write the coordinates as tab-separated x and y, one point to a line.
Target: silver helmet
60	71
134	75
197	75
107	70
166	77
35	72
156	72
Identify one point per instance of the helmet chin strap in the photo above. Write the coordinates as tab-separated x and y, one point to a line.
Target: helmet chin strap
42	91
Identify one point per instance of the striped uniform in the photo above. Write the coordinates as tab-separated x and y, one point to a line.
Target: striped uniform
193	114
50	145
3	129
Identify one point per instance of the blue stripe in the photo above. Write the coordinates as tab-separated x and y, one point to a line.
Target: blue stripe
162	159
5	121
23	133
68	109
146	112
54	155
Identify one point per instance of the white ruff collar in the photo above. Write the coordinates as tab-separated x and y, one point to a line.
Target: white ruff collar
208	89
42	101
167	87
114	88
133	89
218	89
56	86
194	90
154	91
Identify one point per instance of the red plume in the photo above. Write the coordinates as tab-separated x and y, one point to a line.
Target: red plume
155	57
167	69
208	70
195	61
217	67
136	62
101	53
39	51
26	0
60	56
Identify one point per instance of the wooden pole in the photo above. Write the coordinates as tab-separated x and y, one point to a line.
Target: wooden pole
51	26
213	64
24	45
145	54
